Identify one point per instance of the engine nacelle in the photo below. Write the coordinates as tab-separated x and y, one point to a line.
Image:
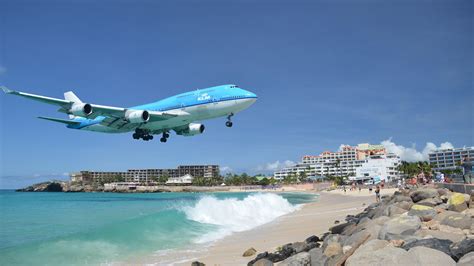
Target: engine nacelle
193	129
81	109
137	116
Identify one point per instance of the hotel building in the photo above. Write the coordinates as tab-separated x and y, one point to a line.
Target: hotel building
147	175
346	162
450	158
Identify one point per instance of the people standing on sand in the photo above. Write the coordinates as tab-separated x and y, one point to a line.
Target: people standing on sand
377	193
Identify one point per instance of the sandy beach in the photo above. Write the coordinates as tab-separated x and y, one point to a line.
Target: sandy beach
312	219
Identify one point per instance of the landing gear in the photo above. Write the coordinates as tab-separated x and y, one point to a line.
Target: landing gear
165	137
229	122
142	134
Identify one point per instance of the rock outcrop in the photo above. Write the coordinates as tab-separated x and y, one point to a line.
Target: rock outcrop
423	226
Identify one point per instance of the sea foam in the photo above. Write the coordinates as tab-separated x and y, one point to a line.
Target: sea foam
236	215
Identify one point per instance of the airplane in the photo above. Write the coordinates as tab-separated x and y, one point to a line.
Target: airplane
178	113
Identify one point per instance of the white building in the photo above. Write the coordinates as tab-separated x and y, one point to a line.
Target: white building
345	162
450	158
182	180
384	167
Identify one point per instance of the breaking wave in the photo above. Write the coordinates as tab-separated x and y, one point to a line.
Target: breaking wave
236	215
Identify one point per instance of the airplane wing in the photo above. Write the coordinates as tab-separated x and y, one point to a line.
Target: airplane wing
115	116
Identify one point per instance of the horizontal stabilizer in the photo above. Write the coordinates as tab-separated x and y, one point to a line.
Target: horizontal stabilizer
64	121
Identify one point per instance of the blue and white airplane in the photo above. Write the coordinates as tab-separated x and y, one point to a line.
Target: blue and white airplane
178	113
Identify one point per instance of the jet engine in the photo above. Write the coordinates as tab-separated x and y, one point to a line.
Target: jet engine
193	129
137	116
81	109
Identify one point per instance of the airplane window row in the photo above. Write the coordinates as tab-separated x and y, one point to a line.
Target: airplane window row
234	86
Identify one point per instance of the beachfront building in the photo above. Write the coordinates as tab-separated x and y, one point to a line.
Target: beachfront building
380	167
182	180
147	175
344	162
450	158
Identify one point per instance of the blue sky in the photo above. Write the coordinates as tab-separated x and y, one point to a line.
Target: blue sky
326	73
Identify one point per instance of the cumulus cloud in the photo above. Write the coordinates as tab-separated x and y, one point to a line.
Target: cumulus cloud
277	165
226	169
342	146
411	154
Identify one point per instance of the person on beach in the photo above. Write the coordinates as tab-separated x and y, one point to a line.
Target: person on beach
377	193
466	165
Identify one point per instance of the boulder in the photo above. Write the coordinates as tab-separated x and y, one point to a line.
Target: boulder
469	212
263	262
387	255
430	202
317	257
458	250
397	242
406	205
425	213
337	229
441	208
312	238
457	202
432	225
299	247
454	237
333	249
442	245
249	252
393	210
333	238
400	227
197	263
466	260
300	259
454	219
443	191
428	256
423	193
356	238
400	198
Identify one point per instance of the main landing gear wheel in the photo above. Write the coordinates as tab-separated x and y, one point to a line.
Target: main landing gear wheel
165	137
229	122
142	134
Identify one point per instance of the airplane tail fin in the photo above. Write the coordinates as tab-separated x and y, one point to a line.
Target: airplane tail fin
70	96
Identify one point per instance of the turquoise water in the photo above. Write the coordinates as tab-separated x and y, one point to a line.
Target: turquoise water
97	228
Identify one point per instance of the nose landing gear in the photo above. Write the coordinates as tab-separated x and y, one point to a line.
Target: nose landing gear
228	123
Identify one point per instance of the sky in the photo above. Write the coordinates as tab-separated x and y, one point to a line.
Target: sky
326	72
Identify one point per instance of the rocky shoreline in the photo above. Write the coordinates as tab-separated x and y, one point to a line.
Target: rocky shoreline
420	226
66	186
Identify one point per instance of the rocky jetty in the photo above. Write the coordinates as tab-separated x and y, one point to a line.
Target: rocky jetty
50	186
422	226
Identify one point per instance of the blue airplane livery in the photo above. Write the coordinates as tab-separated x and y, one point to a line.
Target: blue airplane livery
178	113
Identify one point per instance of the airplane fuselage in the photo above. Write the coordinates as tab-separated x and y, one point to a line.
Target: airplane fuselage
200	104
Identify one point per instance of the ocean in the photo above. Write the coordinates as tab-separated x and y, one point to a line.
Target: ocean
43	228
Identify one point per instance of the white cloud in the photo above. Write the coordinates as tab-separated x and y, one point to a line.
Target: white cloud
277	165
411	154
226	169
342	146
